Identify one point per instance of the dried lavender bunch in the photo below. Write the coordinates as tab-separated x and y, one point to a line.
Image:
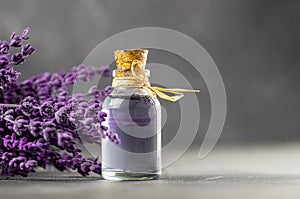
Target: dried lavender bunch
47	121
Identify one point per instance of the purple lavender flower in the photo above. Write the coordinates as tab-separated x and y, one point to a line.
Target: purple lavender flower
17	58
4	47
70	78
46	109
25	33
20	125
107	90
21	165
56	80
85	73
101	116
28	106
7	77
27	50
82	73
113	137
15	161
29	165
89	165
15	40
35	128
3	61
63	138
104	71
62	116
49	128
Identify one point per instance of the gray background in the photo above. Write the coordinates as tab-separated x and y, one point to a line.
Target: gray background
255	44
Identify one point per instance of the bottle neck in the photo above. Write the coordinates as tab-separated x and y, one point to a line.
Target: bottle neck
128	91
117	73
137	79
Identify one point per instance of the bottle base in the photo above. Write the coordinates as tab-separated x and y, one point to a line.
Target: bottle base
119	175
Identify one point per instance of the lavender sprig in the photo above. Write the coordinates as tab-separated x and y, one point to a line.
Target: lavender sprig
7	74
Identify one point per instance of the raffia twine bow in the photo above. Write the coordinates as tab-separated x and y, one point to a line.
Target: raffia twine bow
139	79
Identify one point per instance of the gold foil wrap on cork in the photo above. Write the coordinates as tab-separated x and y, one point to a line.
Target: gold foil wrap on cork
125	58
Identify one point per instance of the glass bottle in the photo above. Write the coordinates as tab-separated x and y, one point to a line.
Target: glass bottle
136	117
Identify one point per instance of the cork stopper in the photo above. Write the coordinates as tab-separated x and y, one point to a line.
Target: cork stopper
124	59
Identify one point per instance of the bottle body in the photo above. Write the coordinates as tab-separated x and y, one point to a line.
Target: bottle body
136	117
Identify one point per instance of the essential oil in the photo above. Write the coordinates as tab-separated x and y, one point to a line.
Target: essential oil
135	116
